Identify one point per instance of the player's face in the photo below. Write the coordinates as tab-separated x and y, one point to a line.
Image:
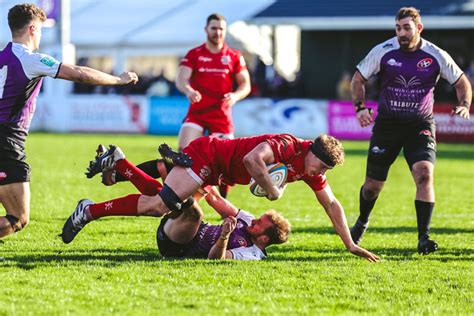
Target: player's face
313	165
216	31
408	34
259	226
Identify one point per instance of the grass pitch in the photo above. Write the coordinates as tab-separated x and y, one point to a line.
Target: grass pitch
113	266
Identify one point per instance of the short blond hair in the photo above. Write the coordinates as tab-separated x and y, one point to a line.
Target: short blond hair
329	149
280	229
411	12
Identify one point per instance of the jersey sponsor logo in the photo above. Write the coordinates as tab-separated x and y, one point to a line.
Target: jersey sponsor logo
205	172
424	63
215	70
241	241
3	175
393	62
412	82
387	45
404	104
425	132
377	150
204	59
48	61
225	60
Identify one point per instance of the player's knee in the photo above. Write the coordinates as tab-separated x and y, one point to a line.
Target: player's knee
423	174
371	190
16	223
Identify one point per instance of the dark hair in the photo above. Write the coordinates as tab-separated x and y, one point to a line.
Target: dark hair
411	12
215	16
21	15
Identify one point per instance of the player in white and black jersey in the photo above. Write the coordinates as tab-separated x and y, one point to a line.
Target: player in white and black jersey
21	74
408	68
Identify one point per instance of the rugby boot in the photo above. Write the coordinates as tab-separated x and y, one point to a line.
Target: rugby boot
358	230
76	221
426	246
174	158
106	161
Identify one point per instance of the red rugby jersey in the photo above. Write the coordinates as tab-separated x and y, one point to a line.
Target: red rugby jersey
286	148
213	74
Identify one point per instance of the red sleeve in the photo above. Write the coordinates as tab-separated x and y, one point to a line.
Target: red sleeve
239	63
189	60
284	147
316	182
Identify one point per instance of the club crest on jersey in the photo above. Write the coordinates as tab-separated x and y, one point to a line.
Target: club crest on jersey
425	132
205	172
242	242
424	63
225	60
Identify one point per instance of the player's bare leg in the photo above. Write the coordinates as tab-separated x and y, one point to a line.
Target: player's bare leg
423	172
15	198
369	193
187	133
182	229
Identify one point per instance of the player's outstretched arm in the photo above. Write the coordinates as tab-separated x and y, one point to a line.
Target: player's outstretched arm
336	213
222	206
464	94
92	76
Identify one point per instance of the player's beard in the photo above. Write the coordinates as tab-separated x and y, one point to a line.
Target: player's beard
408	43
216	40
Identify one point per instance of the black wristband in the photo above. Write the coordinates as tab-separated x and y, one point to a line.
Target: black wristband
359	105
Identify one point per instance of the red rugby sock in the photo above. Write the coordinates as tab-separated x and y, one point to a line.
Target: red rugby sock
142	181
124	206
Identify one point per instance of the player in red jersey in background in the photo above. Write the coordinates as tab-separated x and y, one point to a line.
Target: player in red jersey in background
206	76
212	161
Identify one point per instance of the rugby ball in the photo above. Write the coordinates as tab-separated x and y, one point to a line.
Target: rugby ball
277	172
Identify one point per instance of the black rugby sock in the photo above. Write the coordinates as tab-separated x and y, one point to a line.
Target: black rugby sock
365	207
149	167
424	210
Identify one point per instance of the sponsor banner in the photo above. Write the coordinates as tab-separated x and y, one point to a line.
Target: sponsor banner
92	113
452	128
301	117
343	123
167	114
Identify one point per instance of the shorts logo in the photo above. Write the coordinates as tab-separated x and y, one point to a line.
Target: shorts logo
393	62
3	175
377	150
431	145
425	132
424	63
225	60
242	242
205	172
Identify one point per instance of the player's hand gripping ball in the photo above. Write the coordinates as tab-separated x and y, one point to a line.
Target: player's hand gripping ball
277	172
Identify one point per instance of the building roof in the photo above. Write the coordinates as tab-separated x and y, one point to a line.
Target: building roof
365	14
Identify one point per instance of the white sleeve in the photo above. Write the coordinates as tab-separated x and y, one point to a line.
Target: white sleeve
37	65
449	70
245	216
370	65
247	253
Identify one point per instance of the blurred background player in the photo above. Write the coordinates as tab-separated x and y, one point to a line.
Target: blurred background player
408	67
209	159
21	76
206	76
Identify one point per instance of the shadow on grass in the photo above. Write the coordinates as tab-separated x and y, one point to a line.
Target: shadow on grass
384	230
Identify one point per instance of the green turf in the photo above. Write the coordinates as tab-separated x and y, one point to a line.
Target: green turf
113	266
